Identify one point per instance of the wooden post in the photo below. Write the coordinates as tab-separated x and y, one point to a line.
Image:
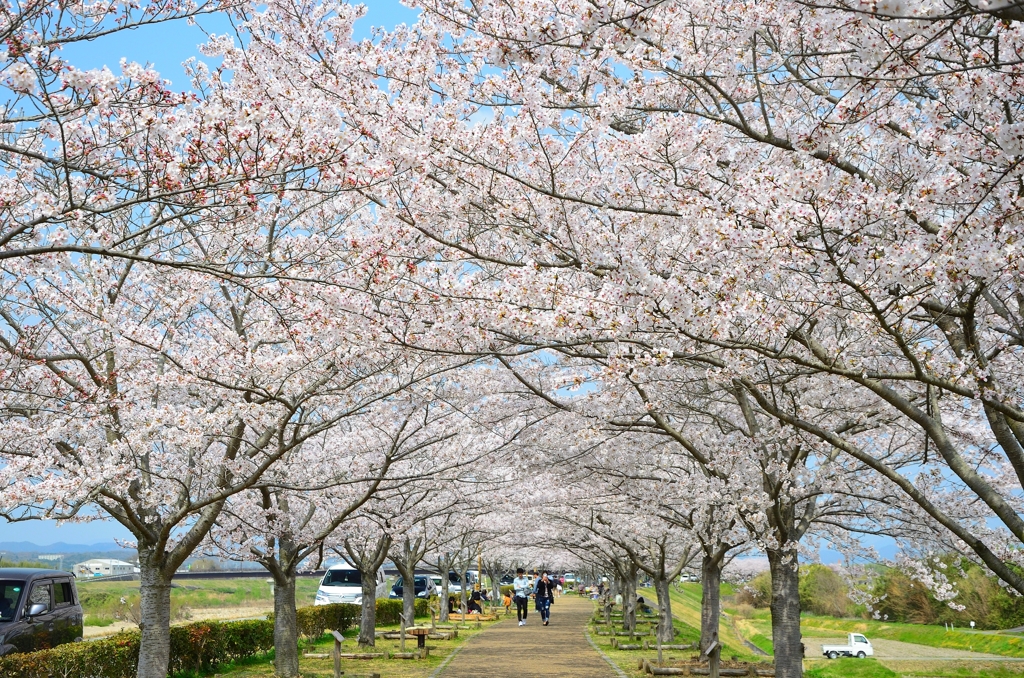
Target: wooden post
401	633
337	653
714	652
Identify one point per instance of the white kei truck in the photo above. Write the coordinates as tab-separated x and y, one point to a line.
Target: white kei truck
856	646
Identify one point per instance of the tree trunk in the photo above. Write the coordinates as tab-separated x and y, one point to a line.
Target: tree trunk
408	572
155	611
495	585
464	596
785	609
629	601
666	632
710	610
368	619
286	631
444	596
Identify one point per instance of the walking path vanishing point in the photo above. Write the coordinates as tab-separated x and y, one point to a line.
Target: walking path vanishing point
506	650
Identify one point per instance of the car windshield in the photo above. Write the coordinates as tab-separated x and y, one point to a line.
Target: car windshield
342	578
10	593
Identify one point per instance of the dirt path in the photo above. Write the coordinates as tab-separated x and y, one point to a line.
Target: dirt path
199	614
894	649
508	651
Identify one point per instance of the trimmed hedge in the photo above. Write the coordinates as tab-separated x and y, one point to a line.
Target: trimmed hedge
200	646
315	620
389	611
195	647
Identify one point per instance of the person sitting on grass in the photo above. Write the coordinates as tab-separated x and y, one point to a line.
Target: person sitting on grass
474	601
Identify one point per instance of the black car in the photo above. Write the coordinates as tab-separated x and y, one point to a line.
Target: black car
39	609
421	585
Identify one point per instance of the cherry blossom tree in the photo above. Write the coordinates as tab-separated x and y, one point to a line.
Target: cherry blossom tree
113	404
883	257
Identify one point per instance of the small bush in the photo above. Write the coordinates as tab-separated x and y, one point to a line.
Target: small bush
823	591
201	646
744	611
316	620
388	612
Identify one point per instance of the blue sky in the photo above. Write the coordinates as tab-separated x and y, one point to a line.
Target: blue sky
166	46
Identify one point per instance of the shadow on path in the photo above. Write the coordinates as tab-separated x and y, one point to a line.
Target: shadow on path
506	650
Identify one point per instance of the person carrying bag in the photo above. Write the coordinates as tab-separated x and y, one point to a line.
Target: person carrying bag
545	595
521	585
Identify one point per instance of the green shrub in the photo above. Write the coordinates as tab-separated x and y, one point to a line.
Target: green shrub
201	646
388	612
316	620
822	591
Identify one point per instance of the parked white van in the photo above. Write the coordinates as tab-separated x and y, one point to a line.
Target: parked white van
342	583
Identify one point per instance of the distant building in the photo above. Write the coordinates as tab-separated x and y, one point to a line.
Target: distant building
102	567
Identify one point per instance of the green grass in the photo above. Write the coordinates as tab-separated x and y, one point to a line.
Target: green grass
103	598
973	670
92	620
686	608
849	668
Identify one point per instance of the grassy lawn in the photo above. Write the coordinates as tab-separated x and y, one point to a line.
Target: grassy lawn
686	608
849	668
392	668
872	668
102	599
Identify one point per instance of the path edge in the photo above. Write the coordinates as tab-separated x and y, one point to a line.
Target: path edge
615	667
440	667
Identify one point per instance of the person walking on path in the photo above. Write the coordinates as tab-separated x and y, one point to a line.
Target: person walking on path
545	593
521	585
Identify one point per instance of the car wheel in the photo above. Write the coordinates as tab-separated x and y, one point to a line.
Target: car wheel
861	655
833	654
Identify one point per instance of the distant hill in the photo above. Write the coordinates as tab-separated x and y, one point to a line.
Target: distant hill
59	547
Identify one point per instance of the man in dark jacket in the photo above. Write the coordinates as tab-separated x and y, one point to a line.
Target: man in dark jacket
545	594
